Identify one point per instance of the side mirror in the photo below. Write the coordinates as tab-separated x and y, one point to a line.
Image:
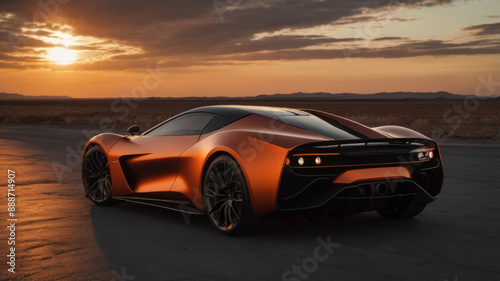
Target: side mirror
134	130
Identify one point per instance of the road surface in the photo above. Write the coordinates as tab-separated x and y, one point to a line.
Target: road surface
61	235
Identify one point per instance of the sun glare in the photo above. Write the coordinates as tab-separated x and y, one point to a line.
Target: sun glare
62	38
62	56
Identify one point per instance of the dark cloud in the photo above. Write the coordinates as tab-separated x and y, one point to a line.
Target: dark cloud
190	32
484	29
6	57
389	38
403	20
412	49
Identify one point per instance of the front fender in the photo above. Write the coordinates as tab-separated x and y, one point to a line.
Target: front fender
105	141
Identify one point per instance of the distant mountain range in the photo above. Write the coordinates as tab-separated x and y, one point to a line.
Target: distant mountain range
6	96
318	96
352	96
323	96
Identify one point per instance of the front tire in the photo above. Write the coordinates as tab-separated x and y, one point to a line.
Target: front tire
226	198
97	176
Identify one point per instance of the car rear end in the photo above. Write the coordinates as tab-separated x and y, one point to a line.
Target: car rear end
338	178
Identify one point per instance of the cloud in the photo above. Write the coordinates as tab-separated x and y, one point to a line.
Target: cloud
411	49
390	38
403	20
190	32
484	29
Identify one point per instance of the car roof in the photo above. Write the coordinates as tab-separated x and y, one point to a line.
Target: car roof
310	122
230	113
238	111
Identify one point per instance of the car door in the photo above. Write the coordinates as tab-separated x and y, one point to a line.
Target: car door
150	162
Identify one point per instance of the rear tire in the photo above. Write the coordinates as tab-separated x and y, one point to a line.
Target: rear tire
97	176
403	212
226	198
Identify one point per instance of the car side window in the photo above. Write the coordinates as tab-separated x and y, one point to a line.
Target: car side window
187	124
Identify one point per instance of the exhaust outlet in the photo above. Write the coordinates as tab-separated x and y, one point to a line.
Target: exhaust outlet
382	188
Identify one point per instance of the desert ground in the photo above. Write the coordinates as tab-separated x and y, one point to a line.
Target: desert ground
61	235
466	120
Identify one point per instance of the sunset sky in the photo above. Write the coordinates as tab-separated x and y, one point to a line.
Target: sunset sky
108	48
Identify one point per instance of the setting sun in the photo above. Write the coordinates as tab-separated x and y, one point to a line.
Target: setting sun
62	56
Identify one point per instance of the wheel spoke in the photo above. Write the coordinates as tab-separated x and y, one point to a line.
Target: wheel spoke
222	182
230	178
237	208
220	214
94	163
90	165
93	190
217	206
104	162
107	187
237	187
238	193
233	211
101	189
93	177
226	217
213	193
88	169
219	220
226	170
93	186
214	181
210	192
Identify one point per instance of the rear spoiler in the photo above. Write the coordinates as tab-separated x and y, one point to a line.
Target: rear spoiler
368	143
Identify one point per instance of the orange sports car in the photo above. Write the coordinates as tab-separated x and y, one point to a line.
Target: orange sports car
241	164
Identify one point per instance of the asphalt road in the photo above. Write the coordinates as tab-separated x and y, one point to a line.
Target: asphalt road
61	235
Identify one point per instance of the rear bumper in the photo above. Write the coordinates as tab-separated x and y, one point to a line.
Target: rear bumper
338	189
344	199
